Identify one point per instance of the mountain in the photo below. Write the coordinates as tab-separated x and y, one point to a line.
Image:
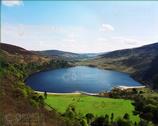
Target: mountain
14	49
135	61
65	55
13	53
150	49
135	58
57	53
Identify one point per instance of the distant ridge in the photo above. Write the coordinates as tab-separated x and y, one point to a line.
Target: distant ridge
57	53
65	54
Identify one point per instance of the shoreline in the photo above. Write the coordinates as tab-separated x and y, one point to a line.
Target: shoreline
91	94
71	93
51	93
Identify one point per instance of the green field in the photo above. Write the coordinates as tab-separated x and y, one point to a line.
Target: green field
91	104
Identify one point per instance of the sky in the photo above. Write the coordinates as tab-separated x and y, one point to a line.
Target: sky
79	26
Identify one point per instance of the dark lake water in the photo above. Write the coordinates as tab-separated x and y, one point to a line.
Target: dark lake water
80	78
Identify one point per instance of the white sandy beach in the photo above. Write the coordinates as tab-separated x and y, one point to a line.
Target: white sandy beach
129	87
72	93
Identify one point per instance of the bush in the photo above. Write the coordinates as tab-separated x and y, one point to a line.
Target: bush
100	121
41	101
84	122
126	116
33	103
123	122
89	117
70	112
18	92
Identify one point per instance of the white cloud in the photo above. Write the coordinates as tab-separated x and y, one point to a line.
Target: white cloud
127	41
102	39
106	28
69	40
74	39
11	3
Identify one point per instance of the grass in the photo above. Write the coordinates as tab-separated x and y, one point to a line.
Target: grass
91	104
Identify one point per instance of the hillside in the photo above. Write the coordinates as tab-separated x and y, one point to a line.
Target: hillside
151	75
19	102
135	61
14	49
17	54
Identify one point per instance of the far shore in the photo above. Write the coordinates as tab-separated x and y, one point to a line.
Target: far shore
129	87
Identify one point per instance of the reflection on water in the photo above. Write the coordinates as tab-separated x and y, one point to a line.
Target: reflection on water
80	78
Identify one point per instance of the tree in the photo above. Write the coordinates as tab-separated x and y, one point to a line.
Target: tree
70	112
123	122
147	108
106	119
45	95
126	116
89	117
134	90
98	121
143	123
101	121
84	122
112	117
41	101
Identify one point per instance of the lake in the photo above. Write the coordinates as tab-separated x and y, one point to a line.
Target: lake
79	78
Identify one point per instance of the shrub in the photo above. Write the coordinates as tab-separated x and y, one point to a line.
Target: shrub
123	122
33	103
84	122
126	116
41	101
18	92
70	112
89	117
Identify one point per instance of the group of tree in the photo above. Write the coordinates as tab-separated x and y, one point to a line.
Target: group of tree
147	108
144	100
90	119
22	71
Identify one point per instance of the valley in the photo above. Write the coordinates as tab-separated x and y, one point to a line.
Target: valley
78	63
17	64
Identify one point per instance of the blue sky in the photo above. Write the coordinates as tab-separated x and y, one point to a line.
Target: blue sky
79	26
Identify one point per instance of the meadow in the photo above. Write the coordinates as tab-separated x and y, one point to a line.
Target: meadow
91	104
